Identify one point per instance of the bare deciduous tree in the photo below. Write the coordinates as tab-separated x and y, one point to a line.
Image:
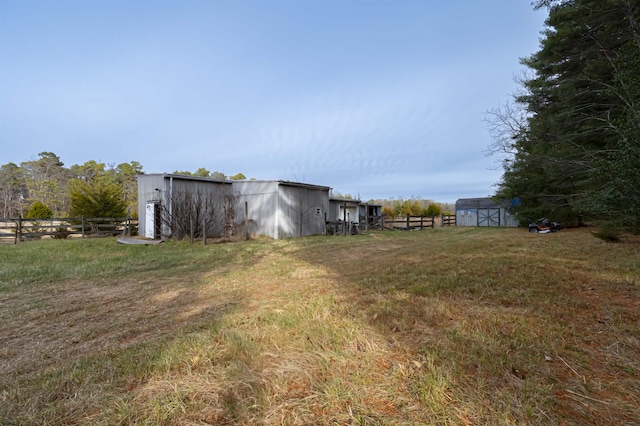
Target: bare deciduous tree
198	214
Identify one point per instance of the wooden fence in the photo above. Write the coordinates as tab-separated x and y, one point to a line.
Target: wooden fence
343	228
15	230
448	220
365	223
410	223
407	223
419	222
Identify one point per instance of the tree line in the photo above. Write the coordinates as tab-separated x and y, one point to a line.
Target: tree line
414	207
570	138
44	187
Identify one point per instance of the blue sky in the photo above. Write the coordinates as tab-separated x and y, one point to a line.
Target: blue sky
376	98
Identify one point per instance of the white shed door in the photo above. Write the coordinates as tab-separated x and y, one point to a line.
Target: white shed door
150	221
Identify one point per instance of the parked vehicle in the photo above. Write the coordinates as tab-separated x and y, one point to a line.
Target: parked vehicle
544	226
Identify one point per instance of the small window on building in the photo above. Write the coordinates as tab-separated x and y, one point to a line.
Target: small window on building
318	211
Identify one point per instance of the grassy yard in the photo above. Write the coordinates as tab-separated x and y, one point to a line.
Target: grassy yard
459	326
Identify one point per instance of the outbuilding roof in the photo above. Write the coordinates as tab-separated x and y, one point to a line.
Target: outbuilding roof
345	200
478	203
304	185
187	177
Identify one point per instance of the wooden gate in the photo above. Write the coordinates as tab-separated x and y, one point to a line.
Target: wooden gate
488	217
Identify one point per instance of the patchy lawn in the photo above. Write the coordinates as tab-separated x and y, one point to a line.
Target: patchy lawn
445	326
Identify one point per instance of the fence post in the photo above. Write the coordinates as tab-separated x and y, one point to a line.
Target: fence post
366	217
421	221
408	222
344	215
204	231
246	220
82	226
433	222
127	223
325	223
20	229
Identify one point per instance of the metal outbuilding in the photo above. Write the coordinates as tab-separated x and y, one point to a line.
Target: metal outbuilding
281	209
157	194
274	208
345	209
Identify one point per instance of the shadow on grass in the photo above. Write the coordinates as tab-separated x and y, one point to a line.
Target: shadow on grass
521	326
88	326
460	326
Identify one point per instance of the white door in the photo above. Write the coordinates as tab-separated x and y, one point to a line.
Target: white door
150	221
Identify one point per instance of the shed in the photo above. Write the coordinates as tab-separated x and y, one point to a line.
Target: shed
345	209
344	216
484	212
281	209
372	215
167	203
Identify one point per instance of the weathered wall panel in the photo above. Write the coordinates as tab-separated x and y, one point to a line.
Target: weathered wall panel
149	189
165	187
302	210
281	209
278	209
337	208
260	199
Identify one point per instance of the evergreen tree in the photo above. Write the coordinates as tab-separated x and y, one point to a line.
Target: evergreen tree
46	180
125	174
432	210
96	199
575	155
238	176
202	172
88	171
39	210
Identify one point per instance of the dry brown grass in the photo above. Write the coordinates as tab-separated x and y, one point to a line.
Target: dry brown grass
446	326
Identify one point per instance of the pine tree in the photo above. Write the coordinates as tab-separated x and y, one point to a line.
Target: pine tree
577	155
96	199
39	210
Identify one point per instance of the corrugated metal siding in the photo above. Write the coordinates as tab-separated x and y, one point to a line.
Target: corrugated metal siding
337	207
154	187
211	192
275	208
147	185
333	214
261	198
281	210
301	211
